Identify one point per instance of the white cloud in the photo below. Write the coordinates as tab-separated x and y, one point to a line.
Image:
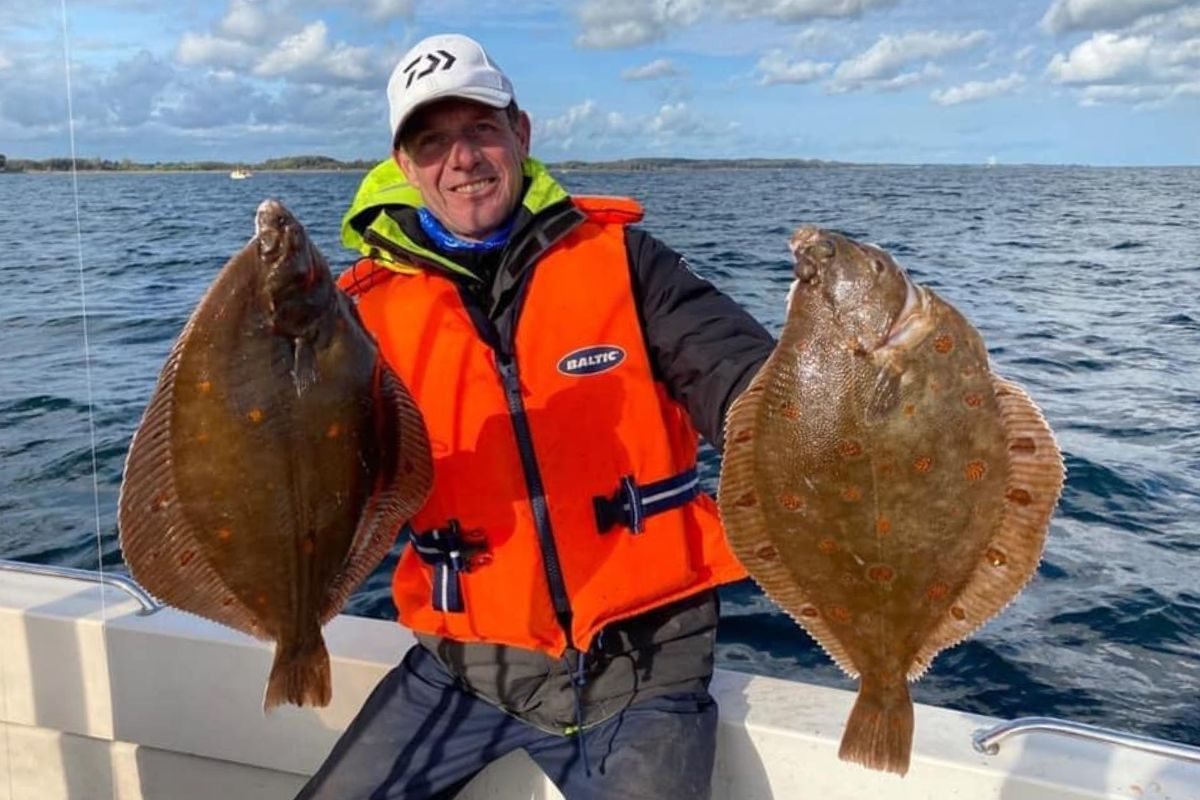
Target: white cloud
308	56
882	65
1065	16
5	61
197	49
562	131
1104	58
801	10
626	23
1156	61
587	123
976	90
658	68
390	9
675	119
629	23
247	21
777	68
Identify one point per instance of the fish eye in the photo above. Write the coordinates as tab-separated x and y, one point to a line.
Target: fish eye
824	249
878	265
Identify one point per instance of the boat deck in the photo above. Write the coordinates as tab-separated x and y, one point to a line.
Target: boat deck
100	699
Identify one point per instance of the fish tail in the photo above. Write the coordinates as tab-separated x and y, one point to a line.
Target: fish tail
300	674
880	728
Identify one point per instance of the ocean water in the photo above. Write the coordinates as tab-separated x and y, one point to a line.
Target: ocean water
1084	283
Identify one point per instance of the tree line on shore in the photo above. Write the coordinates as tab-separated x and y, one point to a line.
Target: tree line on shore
315	162
129	165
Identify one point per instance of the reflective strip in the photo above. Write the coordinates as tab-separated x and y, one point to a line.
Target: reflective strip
632	504
442	548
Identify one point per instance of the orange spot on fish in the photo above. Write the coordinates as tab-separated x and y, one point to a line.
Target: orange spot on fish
881	573
827	546
202	437
224	534
333	431
1019	496
748	500
161	501
256	415
186	557
973	399
849	448
791	501
810	612
790	410
995	557
937	591
943	344
204	386
958	612
922	464
307	545
883	526
743	436
975	470
839	614
261	599
228	601
1023	445
910	410
852	494
766	552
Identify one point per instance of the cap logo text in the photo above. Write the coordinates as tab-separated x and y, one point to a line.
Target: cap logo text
445	62
591	360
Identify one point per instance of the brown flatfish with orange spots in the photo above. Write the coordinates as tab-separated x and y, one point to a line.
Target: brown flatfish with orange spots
884	487
277	459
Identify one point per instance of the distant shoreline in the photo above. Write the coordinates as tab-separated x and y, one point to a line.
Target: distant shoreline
326	164
648	164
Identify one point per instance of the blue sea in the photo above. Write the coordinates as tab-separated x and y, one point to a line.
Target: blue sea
1085	283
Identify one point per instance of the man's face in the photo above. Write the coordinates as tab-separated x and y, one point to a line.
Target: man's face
465	158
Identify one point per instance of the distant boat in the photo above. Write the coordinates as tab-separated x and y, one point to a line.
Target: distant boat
240	174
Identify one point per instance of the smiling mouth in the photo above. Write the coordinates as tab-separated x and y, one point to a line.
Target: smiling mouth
474	187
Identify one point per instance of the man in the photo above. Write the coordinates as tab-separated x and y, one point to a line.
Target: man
561	578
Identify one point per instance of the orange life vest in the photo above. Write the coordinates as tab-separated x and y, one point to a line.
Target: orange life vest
533	457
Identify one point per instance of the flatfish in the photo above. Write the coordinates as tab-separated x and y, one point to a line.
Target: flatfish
277	459
882	485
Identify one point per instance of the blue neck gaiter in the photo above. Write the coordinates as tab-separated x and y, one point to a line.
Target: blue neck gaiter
445	240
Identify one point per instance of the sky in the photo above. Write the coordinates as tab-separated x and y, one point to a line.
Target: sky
1100	82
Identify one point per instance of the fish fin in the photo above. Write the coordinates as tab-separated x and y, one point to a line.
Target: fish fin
304	364
1035	480
158	542
300	674
879	730
399	492
746	527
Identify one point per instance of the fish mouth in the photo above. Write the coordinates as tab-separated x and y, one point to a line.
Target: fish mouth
913	321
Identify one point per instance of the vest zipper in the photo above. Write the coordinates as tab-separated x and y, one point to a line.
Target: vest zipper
537	493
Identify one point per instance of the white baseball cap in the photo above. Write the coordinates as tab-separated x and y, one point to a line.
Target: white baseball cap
447	65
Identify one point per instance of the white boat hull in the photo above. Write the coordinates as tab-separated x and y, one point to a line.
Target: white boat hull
99	701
